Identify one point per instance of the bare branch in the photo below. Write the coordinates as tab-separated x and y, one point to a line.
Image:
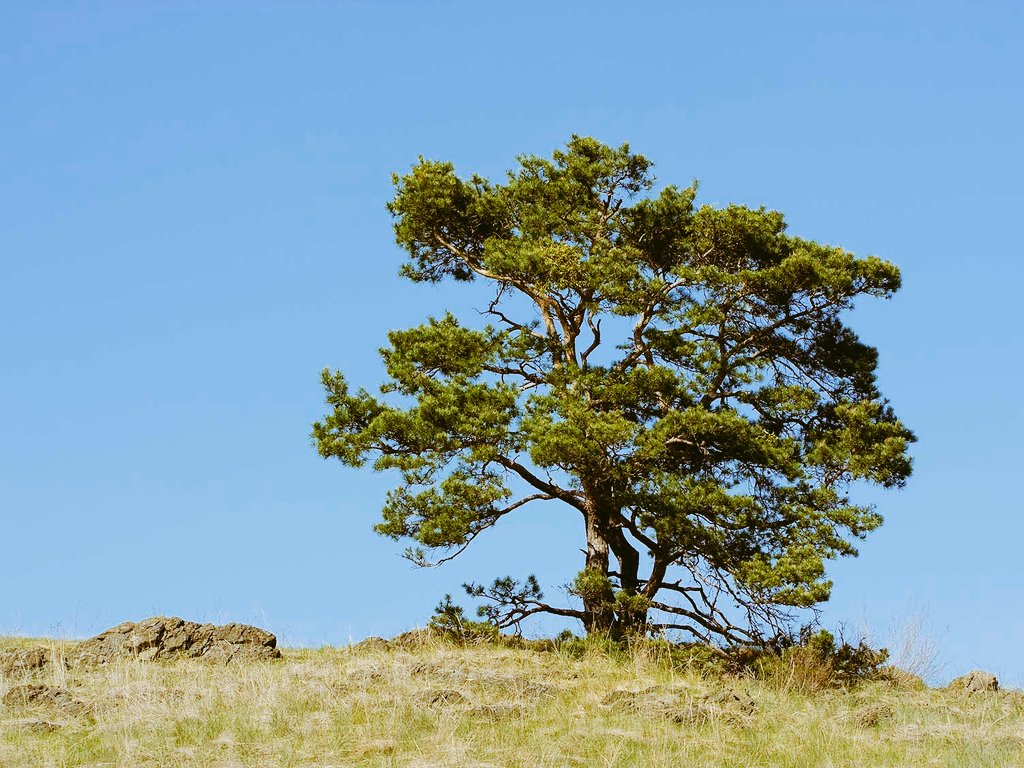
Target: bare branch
595	328
569	497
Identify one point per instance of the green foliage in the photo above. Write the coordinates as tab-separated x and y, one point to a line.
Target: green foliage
700	658
592	586
626	603
565	636
450	622
679	376
593	645
850	664
819	663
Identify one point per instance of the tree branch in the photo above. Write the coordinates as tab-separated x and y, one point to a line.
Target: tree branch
548	488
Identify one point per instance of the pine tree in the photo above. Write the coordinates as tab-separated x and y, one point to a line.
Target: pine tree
680	377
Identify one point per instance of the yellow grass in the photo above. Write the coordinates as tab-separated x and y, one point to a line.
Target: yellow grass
440	705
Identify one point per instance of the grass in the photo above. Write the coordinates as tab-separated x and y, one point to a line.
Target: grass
441	705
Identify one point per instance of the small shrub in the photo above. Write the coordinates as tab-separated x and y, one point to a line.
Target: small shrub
565	636
450	622
817	663
591	645
851	664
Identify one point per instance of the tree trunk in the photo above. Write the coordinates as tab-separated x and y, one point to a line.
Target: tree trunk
597	605
601	613
631	620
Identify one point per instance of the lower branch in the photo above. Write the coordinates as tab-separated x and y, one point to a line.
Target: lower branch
512	601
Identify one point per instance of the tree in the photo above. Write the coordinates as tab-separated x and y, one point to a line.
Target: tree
680	377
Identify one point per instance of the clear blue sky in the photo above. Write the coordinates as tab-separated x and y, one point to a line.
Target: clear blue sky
192	225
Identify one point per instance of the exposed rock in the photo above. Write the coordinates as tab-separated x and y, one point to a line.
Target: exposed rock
675	704
731	700
414	638
975	681
46	696
871	715
512	686
170	637
445	697
28	660
498	711
30	724
626	697
372	644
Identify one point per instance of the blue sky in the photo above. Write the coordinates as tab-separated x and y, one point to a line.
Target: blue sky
192	225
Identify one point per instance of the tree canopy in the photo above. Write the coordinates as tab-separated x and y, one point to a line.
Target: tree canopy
680	377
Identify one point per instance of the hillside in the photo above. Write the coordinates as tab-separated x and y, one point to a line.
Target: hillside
428	703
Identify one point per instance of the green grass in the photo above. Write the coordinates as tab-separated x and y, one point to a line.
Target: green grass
502	707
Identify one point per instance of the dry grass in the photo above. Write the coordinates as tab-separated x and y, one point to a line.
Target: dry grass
915	648
438	705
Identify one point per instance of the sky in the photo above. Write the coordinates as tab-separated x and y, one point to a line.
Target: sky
193	225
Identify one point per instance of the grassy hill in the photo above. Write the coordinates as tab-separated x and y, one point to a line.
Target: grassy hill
430	703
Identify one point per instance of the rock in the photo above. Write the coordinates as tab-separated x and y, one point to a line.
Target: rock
498	711
731	700
514	687
164	637
45	696
975	681
372	644
445	697
414	638
29	724
871	715
674	704
626	697
28	660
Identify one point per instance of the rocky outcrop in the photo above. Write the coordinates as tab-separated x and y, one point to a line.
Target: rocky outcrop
372	644
729	701
164	637
45	697
682	705
27	660
414	638
30	724
873	714
445	697
975	681
675	704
